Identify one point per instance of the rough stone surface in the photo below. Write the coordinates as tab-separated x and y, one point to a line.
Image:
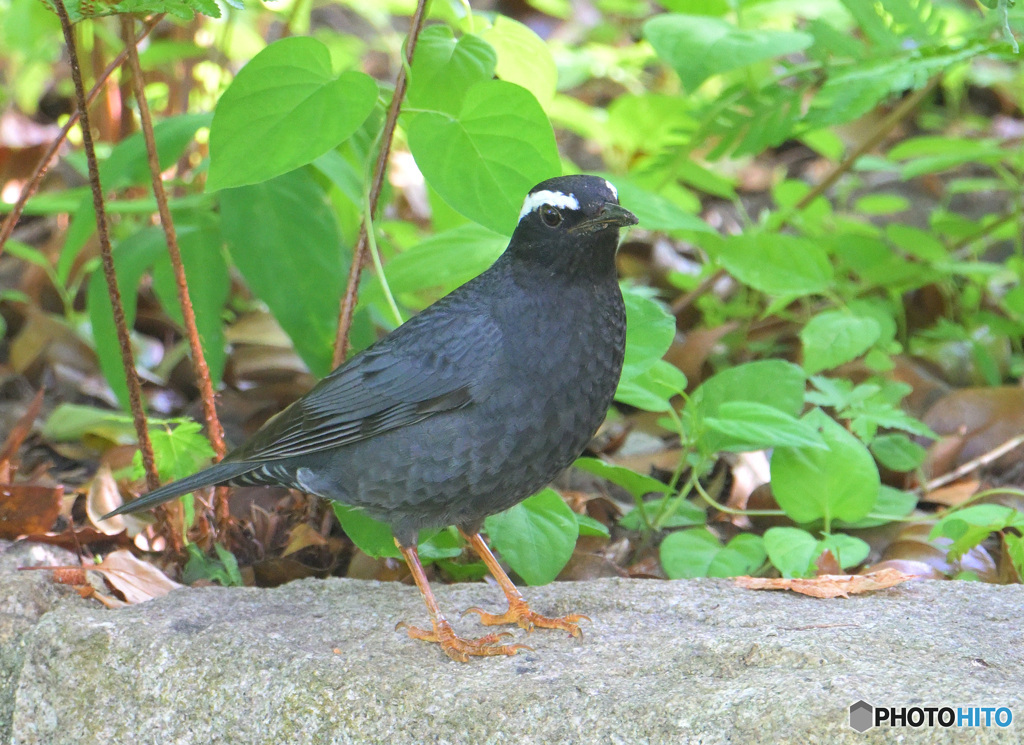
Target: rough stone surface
663	662
24	597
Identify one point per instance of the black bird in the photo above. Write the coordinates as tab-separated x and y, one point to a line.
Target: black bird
469	407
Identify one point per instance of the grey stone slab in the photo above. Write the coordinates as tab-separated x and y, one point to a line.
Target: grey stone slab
318	661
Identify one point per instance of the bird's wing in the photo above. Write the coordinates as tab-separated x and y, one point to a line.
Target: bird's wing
433	363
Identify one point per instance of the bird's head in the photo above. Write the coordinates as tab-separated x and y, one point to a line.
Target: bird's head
570	219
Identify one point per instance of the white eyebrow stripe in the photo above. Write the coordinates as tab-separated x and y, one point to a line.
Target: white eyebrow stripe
554	198
612	189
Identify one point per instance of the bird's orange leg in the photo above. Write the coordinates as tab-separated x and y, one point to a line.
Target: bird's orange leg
518	611
454	646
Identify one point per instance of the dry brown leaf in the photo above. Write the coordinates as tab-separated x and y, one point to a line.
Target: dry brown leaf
104	496
919	569
690	351
303	536
133	578
827	564
88	591
980	419
25	508
19	432
956	493
51	340
829	585
913	542
71	538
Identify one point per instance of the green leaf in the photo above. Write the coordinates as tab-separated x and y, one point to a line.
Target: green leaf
971	525
932	154
283	238
443	69
698	47
284	109
27	253
892	505
681	514
697	553
1015	552
523	57
486	159
654	211
770	383
132	258
230	564
536	537
209	284
444	544
791	550
372	537
650	329
853	90
223	570
750	547
749	425
128	162
834	337
653	389
637	484
775	264
445	260
897	452
179	452
688	553
840	482
881	204
848	550
773	383
590	526
76	422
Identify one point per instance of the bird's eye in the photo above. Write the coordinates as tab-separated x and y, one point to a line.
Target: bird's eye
551	216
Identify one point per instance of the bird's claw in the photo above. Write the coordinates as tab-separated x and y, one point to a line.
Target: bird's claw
521	614
460	649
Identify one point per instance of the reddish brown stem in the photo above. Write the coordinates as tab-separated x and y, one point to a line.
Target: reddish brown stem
127	359
348	300
44	163
202	371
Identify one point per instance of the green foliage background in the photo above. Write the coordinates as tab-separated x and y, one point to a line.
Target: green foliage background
671	99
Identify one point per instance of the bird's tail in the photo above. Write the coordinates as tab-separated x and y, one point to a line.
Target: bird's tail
217	474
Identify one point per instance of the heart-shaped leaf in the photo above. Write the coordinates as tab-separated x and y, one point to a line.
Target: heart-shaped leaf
536	537
486	159
285	108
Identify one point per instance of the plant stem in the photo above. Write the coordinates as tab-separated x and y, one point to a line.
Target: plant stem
44	163
348	300
732	510
377	265
127	359
214	430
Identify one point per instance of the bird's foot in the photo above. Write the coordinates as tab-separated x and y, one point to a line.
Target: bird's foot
460	649
520	613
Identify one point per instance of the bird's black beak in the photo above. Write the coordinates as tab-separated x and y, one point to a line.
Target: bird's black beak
610	216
